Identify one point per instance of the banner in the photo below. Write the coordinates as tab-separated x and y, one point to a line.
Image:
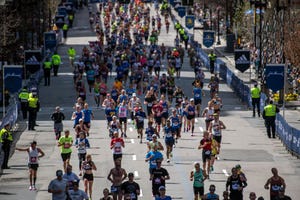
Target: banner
33	60
13	78
274	76
208	38
50	41
190	21
242	60
181	11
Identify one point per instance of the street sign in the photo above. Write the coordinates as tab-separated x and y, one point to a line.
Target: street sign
208	38
181	11
274	76
242	60
190	21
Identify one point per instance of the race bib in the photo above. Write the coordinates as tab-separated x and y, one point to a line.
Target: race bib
33	159
235	186
67	145
157	181
207	152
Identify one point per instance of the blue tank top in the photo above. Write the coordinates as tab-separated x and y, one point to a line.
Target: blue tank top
197	93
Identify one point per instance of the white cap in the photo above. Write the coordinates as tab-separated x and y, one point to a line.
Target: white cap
134	94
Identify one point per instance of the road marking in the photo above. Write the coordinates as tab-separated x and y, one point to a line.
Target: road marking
133	157
201	129
141	193
196	120
136	174
130	129
237	108
132	141
225	172
128	120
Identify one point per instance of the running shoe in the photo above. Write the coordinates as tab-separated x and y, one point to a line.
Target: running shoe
30	188
168	160
33	187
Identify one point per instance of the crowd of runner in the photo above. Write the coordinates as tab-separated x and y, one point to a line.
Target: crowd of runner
146	94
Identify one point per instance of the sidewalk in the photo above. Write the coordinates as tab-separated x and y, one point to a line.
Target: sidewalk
288	126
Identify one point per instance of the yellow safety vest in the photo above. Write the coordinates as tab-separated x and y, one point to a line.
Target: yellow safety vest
181	31
72	52
270	110
255	92
47	65
32	102
212	57
71	17
9	136
24	95
56	59
65	27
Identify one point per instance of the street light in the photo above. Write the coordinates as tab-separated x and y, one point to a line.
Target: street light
218	26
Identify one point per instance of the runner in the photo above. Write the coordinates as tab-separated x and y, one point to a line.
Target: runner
65	143
77	114
208	114
140	116
76	193
116	144
82	143
87	116
212	195
122	114
236	185
116	176
191	113
197	91
274	184
157	109
198	176
175	124
58	117
106	195
87	169
114	126
58	187
133	103
159	175
130	189
34	153
215	128
70	177
169	139
155	143
205	145
162	194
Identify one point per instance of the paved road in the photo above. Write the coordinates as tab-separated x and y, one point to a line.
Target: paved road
245	142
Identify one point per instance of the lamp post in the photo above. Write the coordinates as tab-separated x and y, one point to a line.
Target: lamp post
218	26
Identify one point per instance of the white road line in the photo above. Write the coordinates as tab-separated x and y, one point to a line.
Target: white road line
196	120
225	172
132	141
201	129
141	193
130	129
136	174
133	157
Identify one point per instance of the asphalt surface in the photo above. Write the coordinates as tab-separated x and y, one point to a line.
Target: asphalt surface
244	141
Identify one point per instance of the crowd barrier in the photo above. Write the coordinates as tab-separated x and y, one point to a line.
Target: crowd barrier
11	115
288	135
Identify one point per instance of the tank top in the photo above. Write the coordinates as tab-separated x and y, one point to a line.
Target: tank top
87	165
275	186
168	133
198	178
96	88
210	196
122	111
216	129
33	156
114	125
209	114
81	145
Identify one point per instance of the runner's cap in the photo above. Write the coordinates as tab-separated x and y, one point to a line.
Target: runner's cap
154	135
162	188
134	94
59	172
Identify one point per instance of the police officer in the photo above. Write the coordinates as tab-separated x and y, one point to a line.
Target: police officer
65	29
255	95
72	54
23	98
56	61
269	115
33	108
6	140
47	71
212	58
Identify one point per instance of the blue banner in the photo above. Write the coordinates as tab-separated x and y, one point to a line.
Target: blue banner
274	76
181	11
50	41
13	78
190	21
242	60
208	38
